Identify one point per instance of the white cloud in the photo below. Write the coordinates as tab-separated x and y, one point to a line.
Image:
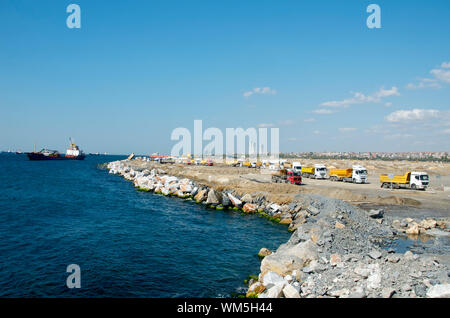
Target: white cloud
316	132
398	136
424	83
360	98
292	139
412	115
388	104
286	122
265	125
441	75
309	120
260	90
421	126
347	129
323	111
382	93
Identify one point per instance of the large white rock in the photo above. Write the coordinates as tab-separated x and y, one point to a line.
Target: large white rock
272	278
213	197
275	207
287	259
236	202
374	279
290	292
276	291
171	179
439	291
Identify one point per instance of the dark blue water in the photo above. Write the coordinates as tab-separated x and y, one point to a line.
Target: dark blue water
127	243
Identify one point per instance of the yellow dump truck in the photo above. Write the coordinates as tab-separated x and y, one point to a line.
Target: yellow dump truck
252	164
410	180
340	174
308	170
356	174
317	172
206	162
233	163
287	165
246	164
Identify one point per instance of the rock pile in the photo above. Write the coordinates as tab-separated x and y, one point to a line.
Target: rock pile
416	227
336	252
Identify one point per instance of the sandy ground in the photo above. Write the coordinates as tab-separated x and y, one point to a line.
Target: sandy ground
433	202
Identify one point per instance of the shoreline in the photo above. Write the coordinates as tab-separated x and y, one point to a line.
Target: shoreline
330	239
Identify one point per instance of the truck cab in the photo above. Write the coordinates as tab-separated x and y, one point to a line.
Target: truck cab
359	174
274	165
320	171
297	167
419	180
294	177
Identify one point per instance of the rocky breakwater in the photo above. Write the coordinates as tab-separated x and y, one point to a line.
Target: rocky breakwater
336	251
156	180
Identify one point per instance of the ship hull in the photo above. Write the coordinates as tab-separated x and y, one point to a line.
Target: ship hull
39	156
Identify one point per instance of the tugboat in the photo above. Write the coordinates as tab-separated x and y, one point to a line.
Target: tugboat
72	153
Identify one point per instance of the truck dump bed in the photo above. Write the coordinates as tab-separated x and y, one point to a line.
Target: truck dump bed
397	179
341	173
308	170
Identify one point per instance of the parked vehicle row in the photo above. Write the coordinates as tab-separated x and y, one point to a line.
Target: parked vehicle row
284	171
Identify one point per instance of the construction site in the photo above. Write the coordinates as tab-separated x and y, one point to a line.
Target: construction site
360	183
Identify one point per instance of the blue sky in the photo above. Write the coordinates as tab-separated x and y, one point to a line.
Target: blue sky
138	69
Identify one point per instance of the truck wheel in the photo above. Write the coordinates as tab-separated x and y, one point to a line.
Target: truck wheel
413	186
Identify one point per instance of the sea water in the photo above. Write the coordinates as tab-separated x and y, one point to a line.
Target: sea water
127	243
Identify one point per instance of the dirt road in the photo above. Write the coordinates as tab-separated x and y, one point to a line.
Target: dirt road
249	180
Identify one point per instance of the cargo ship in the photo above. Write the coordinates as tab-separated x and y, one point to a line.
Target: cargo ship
72	153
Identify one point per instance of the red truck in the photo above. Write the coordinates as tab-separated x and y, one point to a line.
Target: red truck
288	176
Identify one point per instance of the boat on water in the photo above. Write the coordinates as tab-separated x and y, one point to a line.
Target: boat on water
72	153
